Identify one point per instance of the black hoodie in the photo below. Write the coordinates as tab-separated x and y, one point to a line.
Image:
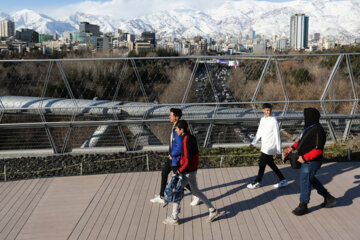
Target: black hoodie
312	141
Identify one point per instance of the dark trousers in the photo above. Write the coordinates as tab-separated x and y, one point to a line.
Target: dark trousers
308	180
167	168
269	160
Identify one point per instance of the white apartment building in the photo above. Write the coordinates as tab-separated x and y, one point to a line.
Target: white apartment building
7	28
299	31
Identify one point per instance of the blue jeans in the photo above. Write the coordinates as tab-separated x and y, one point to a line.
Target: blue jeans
308	180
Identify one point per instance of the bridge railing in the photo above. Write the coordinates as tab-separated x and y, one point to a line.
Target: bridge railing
63	105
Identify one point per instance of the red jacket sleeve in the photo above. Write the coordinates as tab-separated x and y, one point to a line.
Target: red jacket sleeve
185	157
312	154
294	146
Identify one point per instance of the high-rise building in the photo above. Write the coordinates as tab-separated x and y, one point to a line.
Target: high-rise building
89	28
148	36
240	38
7	28
299	31
27	35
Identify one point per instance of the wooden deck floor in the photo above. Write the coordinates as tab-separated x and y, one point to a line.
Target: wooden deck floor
116	206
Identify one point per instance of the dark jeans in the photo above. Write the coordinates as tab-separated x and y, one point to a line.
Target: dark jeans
269	160
308	180
167	168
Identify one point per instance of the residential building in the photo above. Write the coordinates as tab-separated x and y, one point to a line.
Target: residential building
45	37
282	45
7	29
89	28
27	35
299	31
148	36
140	45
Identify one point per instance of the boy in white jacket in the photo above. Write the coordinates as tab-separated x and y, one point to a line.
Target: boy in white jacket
269	133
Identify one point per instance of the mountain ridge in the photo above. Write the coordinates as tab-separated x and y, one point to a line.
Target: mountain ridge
328	17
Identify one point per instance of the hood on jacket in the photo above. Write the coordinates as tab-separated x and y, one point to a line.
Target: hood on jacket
311	116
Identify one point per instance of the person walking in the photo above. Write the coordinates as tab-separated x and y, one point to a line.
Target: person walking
189	162
310	148
173	160
269	133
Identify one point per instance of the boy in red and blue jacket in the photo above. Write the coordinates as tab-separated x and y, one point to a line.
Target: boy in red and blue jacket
189	163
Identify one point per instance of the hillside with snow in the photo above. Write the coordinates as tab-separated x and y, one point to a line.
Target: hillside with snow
328	17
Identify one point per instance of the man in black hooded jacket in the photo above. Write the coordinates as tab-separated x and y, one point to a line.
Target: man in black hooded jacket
310	147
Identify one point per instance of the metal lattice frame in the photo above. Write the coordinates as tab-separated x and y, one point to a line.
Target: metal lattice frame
212	119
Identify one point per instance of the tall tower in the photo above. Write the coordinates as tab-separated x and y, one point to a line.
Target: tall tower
299	31
240	38
7	28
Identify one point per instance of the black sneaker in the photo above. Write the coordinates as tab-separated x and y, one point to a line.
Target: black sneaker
329	201
301	209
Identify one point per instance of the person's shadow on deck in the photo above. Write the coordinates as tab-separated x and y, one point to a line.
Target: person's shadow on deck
325	175
349	195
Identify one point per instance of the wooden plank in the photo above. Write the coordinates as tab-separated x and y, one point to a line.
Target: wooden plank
217	188
6	188
233	185
272	222
61	207
145	218
114	189
140	208
196	211
227	207
12	195
251	230
121	218
286	227
163	213
17	222
211	195
155	209
132	206
257	227
122	209
185	218
129	177
99	207
80	227
342	216
8	212
202	208
21	223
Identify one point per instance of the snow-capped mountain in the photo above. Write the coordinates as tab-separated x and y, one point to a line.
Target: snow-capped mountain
39	22
105	22
337	18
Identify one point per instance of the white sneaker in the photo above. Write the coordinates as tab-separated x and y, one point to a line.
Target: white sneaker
157	199
253	185
195	201
171	221
282	183
213	215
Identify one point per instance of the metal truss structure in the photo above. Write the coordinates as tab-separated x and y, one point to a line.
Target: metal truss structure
105	104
